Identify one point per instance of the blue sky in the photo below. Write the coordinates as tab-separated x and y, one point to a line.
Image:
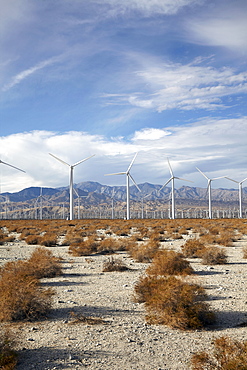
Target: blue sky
163	78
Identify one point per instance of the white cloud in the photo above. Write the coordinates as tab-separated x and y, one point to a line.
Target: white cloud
215	146
150	134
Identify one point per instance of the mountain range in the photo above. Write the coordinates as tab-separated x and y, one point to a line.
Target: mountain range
95	193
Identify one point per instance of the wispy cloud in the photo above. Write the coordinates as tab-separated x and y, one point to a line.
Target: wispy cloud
184	87
30	71
147	7
227	29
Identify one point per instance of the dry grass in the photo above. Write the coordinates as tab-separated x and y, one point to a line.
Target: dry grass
228	354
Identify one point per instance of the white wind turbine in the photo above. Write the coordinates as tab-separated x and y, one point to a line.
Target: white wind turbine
71	193
209	191
240	194
172	178
128	177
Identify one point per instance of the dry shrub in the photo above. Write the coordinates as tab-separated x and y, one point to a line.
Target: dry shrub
144	252
172	302
84	248
42	264
49	240
33	239
21	294
193	248
114	264
214	256
4	238
8	356
109	245
245	252
228	354
167	262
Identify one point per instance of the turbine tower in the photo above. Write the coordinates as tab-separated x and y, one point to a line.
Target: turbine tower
172	178
71	193
240	194
128	177
209	191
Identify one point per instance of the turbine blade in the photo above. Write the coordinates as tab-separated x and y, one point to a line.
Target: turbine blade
60	160
162	187
203	174
76	193
243	180
180	178
117	173
228	178
10	165
131	164
134	182
83	160
170	168
217	178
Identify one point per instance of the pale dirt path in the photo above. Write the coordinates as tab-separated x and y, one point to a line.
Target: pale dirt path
124	342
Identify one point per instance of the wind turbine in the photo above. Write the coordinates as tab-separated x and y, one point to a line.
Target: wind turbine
128	177
240	194
209	190
172	178
71	193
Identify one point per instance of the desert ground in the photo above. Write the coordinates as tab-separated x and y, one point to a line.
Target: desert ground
121	338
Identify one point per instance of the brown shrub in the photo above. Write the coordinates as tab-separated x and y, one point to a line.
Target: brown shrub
49	240
109	245
33	239
245	252
21	294
114	264
144	252
214	256
8	356
174	303
193	248
43	264
228	354
167	262
83	248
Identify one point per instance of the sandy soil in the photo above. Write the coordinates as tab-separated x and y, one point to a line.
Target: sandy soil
123	340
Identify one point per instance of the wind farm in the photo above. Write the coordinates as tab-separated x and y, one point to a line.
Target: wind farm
103	201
